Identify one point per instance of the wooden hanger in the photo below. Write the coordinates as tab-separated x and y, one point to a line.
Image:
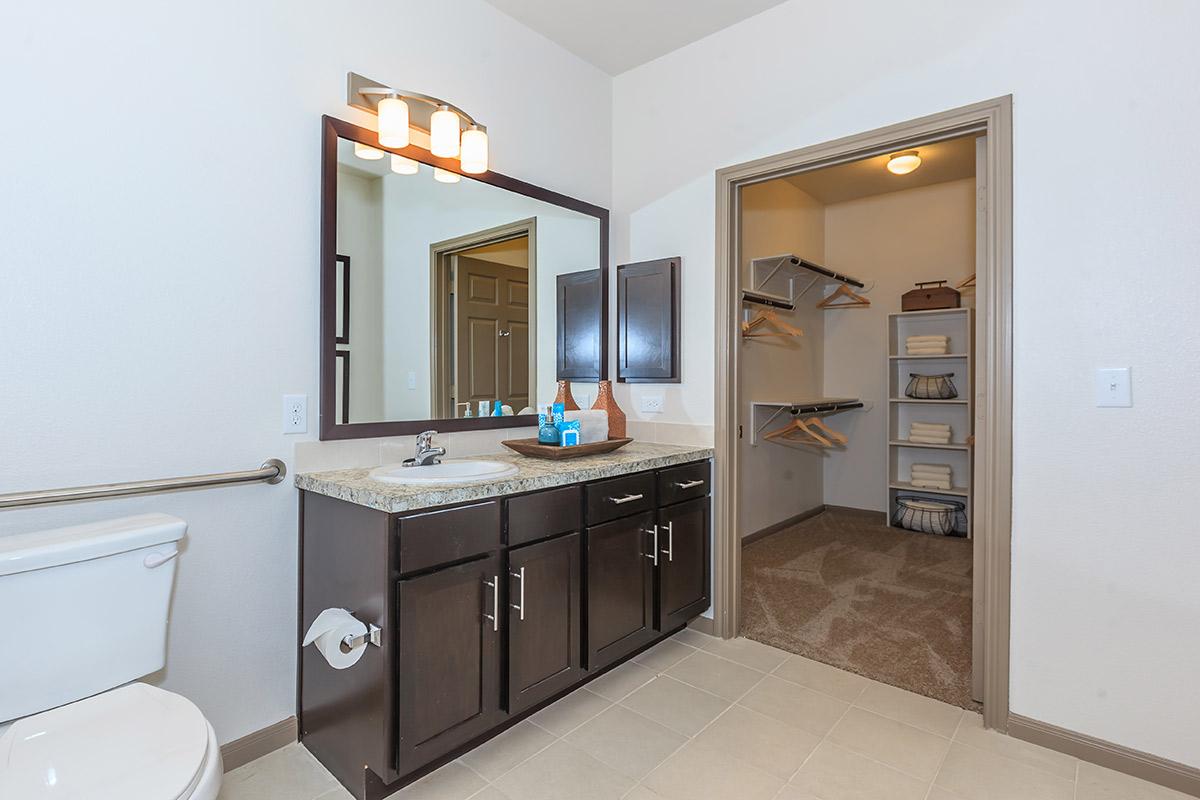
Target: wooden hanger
799	426
769	317
852	300
968	283
828	431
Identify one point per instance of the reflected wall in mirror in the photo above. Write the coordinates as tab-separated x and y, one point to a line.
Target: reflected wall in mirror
443	288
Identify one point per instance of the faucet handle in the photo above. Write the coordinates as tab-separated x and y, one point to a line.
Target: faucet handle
425	439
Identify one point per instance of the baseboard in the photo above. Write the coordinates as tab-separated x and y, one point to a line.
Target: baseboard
1155	769
259	743
702	624
778	526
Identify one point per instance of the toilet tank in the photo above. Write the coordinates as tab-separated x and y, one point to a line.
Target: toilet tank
83	609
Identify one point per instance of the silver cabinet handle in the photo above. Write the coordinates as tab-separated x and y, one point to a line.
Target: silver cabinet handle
670	551
653	554
629	498
688	484
520	607
495	615
503	333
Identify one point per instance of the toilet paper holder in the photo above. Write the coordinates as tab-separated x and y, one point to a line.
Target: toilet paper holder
372	636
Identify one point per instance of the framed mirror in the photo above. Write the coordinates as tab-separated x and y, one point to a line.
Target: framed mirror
449	292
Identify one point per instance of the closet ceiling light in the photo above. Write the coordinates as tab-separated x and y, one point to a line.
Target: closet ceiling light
367	152
445	175
393	122
404	166
904	163
452	132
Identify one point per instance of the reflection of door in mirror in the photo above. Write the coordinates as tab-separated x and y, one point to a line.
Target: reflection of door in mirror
491	336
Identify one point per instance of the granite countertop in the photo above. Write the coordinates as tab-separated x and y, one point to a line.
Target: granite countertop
354	486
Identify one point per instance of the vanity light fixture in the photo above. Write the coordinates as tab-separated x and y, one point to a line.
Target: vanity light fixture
448	131
445	175
404	166
366	152
904	163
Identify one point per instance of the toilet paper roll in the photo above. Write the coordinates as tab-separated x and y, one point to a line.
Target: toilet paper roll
327	631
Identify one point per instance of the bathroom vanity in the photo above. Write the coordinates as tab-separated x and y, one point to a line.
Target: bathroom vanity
494	599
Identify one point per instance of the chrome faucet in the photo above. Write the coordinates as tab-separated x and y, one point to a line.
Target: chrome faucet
426	453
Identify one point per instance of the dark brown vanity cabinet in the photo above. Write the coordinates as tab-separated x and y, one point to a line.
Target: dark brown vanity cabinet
488	611
448	658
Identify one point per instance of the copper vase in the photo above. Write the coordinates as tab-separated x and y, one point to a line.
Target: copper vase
606	402
564	397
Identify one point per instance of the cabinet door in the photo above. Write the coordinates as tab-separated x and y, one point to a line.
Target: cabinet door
683	567
620	588
648	321
544	639
448	660
582	308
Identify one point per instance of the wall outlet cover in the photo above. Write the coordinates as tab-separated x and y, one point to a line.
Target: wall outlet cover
295	413
1113	388
651	403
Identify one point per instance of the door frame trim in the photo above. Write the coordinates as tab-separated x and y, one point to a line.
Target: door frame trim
993	429
439	316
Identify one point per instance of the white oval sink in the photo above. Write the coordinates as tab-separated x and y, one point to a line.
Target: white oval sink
466	471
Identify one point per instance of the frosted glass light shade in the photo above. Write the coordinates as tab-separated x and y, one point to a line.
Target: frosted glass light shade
904	163
393	122
443	133
474	151
404	166
365	151
445	176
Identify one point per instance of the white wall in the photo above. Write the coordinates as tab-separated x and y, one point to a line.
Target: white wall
780	481
889	241
158	301
1105	251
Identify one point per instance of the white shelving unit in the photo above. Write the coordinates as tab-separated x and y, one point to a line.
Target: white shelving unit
958	324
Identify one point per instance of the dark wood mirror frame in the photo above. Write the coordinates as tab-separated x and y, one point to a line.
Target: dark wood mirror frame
333	129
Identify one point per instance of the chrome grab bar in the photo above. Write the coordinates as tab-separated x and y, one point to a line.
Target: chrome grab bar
653	554
272	471
670	551
494	617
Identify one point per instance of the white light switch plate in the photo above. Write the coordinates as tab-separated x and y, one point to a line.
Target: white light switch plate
295	413
1113	388
651	404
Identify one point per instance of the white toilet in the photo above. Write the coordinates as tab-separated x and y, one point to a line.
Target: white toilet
82	610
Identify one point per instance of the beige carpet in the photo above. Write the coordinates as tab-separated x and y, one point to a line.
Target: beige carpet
844	589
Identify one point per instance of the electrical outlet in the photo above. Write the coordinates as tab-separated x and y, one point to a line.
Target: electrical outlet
651	403
295	413
1113	388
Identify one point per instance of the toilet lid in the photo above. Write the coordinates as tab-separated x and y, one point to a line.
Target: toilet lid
132	743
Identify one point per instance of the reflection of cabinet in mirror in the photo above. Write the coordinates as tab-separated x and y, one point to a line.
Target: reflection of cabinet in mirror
455	291
580	298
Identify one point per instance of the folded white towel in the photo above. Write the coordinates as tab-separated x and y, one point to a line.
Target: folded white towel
928	338
927	351
929	426
931	468
919	439
943	485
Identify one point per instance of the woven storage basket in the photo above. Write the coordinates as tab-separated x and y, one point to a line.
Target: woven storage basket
920	514
931	387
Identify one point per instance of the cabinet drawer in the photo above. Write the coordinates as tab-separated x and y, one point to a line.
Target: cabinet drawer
536	516
619	497
687	482
438	537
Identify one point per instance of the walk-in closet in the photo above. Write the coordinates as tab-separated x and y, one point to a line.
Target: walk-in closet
856	387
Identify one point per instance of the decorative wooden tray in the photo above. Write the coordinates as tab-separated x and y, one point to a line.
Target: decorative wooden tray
530	447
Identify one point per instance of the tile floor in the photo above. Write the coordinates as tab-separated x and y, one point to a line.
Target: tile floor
698	718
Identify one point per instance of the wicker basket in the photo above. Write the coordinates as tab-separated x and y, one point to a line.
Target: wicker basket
931	387
940	517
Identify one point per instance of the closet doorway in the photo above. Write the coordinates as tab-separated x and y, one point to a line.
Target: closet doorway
863	514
